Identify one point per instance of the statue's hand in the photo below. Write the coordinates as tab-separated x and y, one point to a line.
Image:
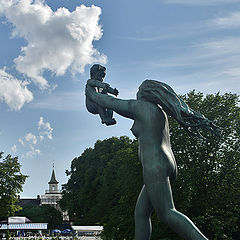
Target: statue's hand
112	91
115	92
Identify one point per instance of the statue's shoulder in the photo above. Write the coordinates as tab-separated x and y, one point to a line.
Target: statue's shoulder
93	82
90	80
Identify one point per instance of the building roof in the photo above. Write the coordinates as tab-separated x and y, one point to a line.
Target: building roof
24	226
17	219
87	228
23	202
53	178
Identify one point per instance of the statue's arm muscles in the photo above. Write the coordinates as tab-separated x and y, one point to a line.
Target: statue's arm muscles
126	108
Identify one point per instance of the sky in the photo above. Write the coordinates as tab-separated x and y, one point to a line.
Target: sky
47	48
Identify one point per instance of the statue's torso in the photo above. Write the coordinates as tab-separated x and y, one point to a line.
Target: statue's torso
152	131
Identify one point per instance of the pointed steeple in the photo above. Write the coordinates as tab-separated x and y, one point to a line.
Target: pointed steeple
53	177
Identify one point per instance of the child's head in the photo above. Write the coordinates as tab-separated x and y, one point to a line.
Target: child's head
97	72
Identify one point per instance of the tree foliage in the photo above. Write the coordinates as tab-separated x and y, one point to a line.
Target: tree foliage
42	214
105	181
11	182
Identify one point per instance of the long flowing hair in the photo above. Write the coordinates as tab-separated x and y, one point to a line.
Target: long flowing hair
162	94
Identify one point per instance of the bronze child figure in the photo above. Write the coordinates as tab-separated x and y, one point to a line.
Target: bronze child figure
97	74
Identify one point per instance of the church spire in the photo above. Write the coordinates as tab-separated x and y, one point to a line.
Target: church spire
53	177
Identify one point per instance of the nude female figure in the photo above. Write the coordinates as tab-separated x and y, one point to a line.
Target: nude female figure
151	129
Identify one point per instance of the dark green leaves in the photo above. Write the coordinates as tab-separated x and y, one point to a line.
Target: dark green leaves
42	214
11	182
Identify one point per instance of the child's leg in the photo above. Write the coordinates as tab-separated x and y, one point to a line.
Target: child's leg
103	114
91	106
111	120
109	113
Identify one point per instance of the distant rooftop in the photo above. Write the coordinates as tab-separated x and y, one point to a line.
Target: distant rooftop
23	202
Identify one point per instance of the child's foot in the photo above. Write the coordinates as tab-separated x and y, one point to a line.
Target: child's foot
110	122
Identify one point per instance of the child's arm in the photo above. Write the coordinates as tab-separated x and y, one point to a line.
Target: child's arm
97	83
111	90
105	86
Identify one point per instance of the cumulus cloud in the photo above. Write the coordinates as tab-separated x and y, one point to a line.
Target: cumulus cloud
13	92
21	141
45	129
28	138
32	142
201	2
31	138
56	41
14	149
232	20
32	152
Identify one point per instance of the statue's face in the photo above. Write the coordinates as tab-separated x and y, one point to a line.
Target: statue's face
98	72
102	72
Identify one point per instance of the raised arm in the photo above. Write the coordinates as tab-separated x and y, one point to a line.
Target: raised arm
97	83
105	86
126	108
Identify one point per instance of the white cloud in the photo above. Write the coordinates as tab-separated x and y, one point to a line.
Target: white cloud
21	141
230	21
45	129
14	149
200	2
31	142
31	138
56	41
13	92
33	152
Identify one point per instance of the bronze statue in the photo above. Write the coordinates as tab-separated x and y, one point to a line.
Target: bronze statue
97	74
149	111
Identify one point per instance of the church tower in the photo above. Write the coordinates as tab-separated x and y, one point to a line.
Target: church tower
52	195
53	183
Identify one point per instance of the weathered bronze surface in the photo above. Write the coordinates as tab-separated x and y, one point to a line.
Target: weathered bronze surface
97	74
149	112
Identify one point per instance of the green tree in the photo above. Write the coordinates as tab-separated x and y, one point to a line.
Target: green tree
105	181
42	214
208	185
11	182
209	172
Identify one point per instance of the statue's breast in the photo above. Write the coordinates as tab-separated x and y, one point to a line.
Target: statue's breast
135	129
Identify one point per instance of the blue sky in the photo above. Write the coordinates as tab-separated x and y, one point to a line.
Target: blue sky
47	48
